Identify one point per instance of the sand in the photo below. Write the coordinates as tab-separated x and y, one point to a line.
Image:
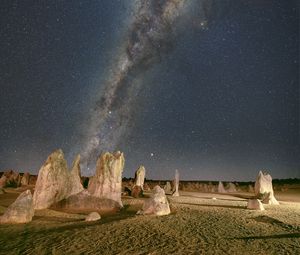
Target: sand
198	224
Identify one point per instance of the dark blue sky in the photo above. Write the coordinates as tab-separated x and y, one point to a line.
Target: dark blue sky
222	104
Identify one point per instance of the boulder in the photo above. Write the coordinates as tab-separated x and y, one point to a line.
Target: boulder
85	202
176	184
221	188
21	211
255	204
264	189
55	182
168	188
25	179
157	204
107	181
93	216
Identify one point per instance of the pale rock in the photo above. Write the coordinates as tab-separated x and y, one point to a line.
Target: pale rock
176	184
107	181
138	187
140	177
231	187
221	188
264	189
157	204
93	216
20	211
255	204
168	188
250	188
25	179
75	185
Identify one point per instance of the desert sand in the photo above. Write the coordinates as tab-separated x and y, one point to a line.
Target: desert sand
200	223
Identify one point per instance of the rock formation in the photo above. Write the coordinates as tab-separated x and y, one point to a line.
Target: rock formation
75	185
264	189
138	187
25	179
3	180
255	204
231	187
107	181
84	201
176	184
93	216
157	204
55	182
21	211
221	188
168	188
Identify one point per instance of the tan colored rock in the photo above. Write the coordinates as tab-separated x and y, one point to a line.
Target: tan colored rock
140	177
93	216
221	188
85	202
264	188
231	187
157	204
255	204
21	211
176	184
3	180
55	182
107	181
138	187
25	179
168	188
75	185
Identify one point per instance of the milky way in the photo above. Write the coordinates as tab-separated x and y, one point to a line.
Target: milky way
150	37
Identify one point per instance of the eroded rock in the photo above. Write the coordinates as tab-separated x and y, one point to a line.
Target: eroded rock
264	189
255	204
93	216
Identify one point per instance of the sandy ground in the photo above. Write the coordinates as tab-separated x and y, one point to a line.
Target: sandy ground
198	224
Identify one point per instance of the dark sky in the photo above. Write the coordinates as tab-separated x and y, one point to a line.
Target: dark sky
221	104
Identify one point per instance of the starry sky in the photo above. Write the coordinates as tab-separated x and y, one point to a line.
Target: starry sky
210	88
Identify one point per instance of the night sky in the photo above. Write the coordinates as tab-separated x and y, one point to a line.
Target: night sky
210	88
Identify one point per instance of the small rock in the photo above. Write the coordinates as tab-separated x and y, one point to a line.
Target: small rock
93	216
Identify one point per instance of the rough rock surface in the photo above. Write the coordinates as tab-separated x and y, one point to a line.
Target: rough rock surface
107	181
264	188
157	204
255	204
221	188
55	182
93	216
75	185
3	181
83	201
21	211
231	187
176	184
138	187
168	188
25	179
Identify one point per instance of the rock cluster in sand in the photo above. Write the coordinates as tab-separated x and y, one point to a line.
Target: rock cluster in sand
264	189
157	204
20	211
55	182
107	181
10	178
